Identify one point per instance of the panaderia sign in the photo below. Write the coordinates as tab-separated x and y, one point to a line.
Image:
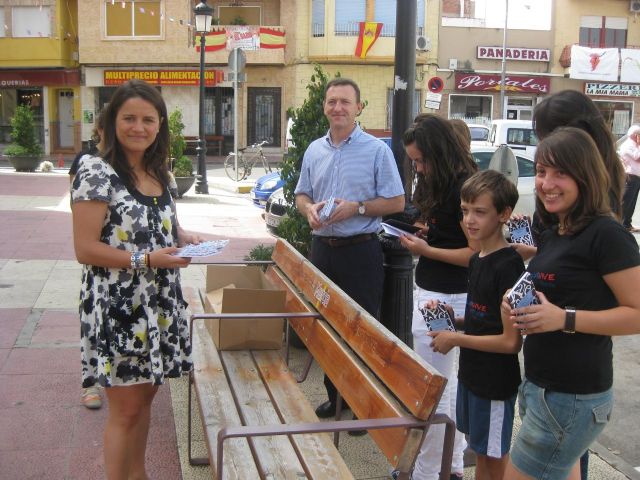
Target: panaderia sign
475	82
612	89
513	53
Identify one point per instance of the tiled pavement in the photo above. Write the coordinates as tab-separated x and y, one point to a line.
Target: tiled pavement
44	430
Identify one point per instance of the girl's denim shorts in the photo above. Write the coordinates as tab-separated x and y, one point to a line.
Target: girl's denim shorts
557	428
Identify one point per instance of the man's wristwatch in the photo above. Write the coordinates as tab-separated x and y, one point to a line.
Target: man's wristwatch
569	320
361	208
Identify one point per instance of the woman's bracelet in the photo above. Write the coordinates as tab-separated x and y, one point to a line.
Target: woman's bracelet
139	260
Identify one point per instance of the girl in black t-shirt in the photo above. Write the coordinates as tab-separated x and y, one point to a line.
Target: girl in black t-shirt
586	271
442	165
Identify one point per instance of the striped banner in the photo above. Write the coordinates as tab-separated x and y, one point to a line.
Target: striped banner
272	38
369	33
214	41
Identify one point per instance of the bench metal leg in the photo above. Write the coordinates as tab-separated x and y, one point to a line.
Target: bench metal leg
192	460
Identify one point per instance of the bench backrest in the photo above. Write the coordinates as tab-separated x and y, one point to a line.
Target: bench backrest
385	379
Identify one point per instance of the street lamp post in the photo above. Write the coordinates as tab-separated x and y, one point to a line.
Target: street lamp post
504	59
204	14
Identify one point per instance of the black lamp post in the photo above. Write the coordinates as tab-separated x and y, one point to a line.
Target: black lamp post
204	14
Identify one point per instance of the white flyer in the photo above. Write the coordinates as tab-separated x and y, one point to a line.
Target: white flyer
203	249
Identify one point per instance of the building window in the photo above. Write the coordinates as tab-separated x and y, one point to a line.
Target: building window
348	17
471	108
139	18
603	32
317	18
30	22
240	15
3	28
618	115
385	13
416	106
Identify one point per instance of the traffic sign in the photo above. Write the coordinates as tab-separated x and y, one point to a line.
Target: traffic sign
435	84
242	60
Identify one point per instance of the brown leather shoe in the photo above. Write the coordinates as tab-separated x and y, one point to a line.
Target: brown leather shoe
328	409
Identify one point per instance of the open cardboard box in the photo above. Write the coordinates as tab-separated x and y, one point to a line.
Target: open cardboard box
243	289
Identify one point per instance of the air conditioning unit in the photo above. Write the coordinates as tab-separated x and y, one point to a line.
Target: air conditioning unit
634	6
424	43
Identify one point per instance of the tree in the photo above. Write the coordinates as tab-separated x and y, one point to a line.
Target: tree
309	123
23	134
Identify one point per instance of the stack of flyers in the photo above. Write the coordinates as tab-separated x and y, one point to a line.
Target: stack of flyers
523	292
520	231
203	249
398	228
438	319
327	210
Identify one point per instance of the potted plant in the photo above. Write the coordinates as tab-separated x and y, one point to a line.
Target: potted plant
24	151
183	174
182	168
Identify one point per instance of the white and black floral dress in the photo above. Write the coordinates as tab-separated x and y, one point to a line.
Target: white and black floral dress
133	322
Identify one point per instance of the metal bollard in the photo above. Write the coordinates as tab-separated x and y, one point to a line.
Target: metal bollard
397	295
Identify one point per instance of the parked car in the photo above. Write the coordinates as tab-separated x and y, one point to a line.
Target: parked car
479	134
276	206
275	209
526	176
517	134
264	187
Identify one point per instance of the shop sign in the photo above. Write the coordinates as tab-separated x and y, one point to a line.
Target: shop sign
39	78
511	53
612	89
473	82
164	77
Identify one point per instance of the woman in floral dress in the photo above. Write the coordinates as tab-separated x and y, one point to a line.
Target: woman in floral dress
134	328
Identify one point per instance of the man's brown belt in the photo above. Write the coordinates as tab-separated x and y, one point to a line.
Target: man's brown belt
345	241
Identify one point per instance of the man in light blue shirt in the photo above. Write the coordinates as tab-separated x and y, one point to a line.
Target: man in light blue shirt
357	172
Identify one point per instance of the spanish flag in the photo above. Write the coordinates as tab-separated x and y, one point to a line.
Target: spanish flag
271	38
369	33
216	40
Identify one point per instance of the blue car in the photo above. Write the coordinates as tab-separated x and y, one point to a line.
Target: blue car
264	187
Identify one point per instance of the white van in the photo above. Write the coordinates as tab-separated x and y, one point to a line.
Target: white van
518	134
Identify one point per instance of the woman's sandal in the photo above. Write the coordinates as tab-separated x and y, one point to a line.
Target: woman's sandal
91	398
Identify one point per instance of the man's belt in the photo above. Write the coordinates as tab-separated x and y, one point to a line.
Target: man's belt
345	241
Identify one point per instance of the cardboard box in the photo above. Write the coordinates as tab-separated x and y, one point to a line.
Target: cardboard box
243	289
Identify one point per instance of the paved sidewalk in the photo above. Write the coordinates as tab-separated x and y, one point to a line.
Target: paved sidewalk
44	430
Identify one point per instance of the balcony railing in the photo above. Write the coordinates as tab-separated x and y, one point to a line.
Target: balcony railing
352	29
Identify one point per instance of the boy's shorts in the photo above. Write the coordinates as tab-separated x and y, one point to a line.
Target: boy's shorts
489	423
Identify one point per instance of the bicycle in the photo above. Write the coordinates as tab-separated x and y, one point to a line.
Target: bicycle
245	164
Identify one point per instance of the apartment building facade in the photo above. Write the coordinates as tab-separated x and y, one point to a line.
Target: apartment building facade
600	25
539	42
154	39
39	67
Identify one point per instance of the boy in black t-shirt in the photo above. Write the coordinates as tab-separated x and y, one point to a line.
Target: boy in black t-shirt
489	372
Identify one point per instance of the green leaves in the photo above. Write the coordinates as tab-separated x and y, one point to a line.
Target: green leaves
177	144
23	134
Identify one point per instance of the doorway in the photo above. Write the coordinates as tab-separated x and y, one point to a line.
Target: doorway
263	119
519	108
65	119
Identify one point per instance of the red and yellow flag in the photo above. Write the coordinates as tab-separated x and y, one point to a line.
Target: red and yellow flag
272	38
369	33
216	40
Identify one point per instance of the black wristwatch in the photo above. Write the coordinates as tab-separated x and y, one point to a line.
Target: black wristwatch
361	208
569	320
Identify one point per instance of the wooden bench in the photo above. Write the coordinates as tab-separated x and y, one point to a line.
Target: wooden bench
252	401
216	141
